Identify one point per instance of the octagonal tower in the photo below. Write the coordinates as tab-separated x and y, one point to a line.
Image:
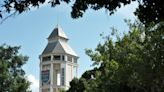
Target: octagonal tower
58	63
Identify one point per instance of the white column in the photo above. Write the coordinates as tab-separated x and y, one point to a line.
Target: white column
66	58
58	78
51	57
76	71
51	77
71	72
72	59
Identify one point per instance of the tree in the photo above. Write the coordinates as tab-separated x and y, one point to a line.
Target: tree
77	85
12	76
132	63
148	10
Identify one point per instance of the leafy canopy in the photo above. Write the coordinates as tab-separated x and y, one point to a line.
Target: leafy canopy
147	11
12	76
132	63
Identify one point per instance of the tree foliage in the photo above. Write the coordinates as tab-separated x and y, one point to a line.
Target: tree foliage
12	76
132	63
148	10
77	85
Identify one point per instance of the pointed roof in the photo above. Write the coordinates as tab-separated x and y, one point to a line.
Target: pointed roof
57	32
49	48
58	46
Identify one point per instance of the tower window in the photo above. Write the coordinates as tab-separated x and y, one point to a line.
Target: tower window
62	76
57	57
63	58
46	58
70	58
75	60
45	75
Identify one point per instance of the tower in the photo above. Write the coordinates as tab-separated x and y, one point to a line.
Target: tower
58	63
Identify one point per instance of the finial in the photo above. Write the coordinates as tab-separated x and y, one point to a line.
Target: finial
57	20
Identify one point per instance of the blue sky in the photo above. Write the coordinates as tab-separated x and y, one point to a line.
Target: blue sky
30	30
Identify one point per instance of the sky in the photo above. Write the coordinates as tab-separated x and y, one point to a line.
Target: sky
31	29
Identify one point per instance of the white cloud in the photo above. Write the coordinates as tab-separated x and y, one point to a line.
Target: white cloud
127	11
34	83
